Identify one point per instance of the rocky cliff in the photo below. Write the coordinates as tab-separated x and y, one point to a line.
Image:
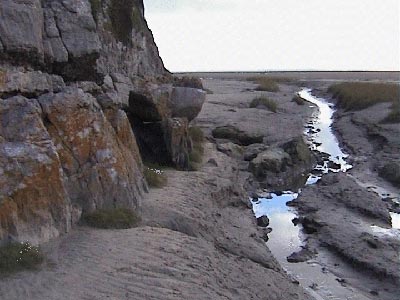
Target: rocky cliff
84	96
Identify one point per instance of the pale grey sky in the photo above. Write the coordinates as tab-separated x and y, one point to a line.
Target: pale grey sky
250	35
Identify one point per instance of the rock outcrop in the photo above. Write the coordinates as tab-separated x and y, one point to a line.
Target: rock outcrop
78	80
283	166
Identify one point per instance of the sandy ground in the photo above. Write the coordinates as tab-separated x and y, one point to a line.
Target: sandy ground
198	238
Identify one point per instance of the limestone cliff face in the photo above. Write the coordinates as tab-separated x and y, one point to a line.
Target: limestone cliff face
72	73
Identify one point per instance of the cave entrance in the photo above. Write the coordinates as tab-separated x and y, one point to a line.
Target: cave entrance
148	127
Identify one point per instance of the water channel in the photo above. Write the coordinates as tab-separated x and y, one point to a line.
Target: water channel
286	238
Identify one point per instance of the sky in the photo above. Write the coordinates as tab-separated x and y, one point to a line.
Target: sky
262	35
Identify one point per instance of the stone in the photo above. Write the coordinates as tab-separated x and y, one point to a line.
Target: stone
263	221
391	172
21	25
300	256
100	170
186	102
253	150
76	27
34	204
235	135
230	149
273	160
298	150
32	83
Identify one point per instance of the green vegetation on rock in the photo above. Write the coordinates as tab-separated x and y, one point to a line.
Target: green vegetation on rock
196	154
266	102
124	16
16	257
2	77
96	7
155	177
115	218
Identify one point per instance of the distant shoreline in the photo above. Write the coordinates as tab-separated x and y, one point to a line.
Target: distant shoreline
305	75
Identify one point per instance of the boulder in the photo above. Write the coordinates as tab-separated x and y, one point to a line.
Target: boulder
150	105
263	221
186	102
298	150
34	203
300	256
100	169
253	150
230	149
273	160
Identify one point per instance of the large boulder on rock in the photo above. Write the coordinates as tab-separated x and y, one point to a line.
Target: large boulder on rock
150	105
186	102
34	203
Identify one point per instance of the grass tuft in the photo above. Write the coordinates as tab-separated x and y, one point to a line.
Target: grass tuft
187	81
360	95
264	101
394	115
115	218
268	83
16	257
155	177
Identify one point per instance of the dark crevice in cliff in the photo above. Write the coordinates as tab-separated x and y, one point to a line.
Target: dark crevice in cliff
151	142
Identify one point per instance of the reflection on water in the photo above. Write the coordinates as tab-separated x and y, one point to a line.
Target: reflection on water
285	236
395	220
321	135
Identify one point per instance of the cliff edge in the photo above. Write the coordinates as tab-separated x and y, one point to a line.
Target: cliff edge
83	95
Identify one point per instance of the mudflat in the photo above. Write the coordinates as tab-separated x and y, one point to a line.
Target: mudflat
199	238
